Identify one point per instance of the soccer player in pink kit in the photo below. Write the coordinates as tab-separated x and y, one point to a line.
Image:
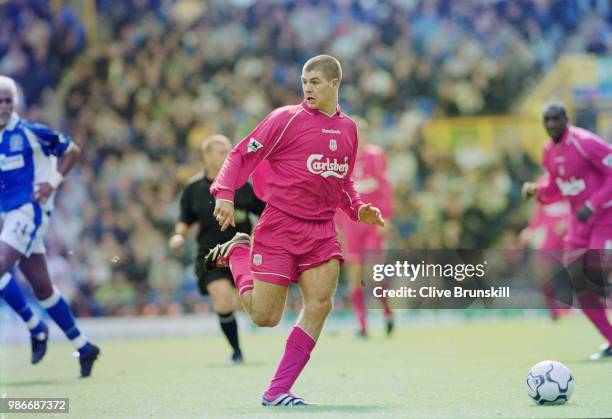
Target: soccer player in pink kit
579	166
363	242
301	158
546	231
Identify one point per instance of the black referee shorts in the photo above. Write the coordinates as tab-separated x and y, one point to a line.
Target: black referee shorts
206	277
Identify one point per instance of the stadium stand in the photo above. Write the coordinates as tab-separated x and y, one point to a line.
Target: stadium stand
163	75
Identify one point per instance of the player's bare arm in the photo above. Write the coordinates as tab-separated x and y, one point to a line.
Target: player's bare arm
224	213
43	190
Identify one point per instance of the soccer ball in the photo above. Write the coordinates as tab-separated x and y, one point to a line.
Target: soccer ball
550	382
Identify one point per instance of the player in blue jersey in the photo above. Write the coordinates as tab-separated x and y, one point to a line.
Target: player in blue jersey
33	162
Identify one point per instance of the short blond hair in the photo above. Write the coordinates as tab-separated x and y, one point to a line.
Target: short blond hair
7	83
328	65
214	139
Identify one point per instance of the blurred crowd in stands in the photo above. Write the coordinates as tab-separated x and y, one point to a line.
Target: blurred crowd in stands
36	45
163	75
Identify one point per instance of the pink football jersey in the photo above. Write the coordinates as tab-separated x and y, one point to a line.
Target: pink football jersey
301	161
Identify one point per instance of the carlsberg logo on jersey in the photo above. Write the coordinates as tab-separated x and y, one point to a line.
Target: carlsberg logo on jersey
327	167
571	187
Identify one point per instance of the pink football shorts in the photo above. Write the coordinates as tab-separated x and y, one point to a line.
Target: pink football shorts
582	236
588	236
285	246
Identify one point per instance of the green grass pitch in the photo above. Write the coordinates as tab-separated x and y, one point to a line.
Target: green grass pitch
468	370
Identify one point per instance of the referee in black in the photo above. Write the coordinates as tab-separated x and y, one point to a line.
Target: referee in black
197	205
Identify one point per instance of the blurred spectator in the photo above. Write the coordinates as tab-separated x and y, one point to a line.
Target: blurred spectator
36	46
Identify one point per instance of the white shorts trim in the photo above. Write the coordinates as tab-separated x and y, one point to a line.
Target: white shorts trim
271	273
330	258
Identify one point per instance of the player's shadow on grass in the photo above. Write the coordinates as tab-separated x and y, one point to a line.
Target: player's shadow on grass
33	383
606	361
247	364
322	408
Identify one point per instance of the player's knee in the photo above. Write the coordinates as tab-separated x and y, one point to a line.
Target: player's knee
319	306
41	286
41	292
223	296
224	305
223	302
266	319
4	265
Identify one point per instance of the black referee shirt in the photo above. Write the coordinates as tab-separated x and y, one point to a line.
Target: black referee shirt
197	206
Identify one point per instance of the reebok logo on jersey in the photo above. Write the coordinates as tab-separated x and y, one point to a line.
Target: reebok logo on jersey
254	145
607	161
327	167
330	131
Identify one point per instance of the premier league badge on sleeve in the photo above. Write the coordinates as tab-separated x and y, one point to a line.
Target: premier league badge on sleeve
333	145
254	145
16	143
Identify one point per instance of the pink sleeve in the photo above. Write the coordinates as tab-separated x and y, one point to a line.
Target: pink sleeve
600	157
386	203
548	191
350	201
246	155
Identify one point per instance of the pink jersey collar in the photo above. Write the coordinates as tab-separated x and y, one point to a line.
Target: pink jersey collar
312	111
